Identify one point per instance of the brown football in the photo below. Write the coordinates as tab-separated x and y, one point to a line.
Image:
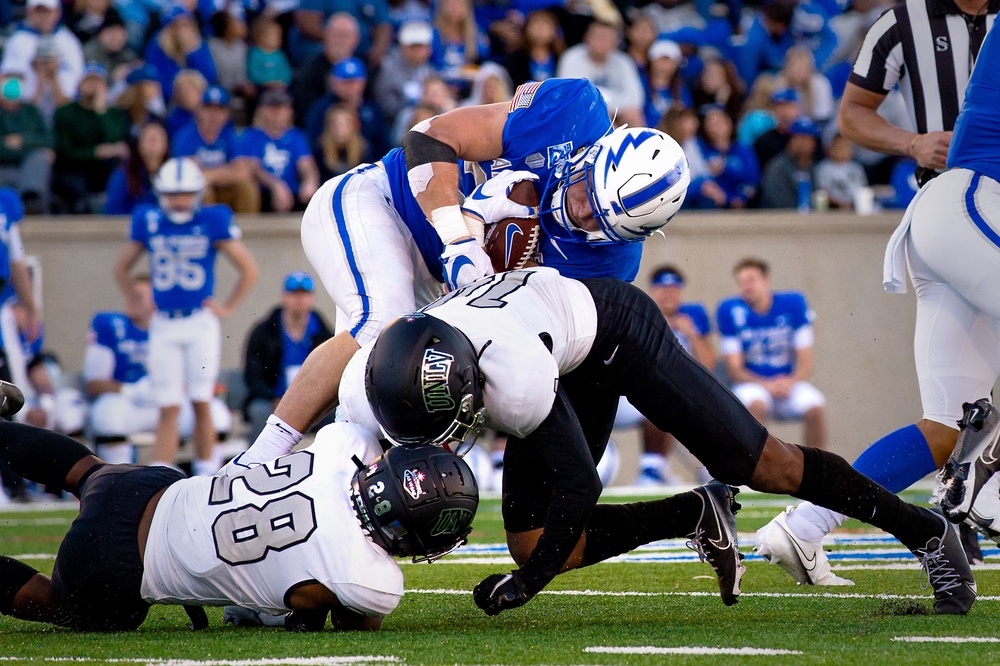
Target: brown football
512	243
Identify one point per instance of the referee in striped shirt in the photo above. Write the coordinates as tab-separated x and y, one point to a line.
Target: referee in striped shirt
928	47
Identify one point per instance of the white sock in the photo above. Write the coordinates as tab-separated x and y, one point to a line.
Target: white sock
811	523
275	440
201	467
116	454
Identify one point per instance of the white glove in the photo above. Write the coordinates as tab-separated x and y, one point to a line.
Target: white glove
464	262
489	201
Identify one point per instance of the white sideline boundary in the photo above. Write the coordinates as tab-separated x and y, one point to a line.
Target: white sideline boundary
277	661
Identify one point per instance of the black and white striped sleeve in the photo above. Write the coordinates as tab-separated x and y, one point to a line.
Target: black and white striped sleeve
879	65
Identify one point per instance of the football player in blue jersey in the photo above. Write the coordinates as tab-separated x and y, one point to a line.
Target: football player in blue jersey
948	243
16	287
182	238
384	237
114	369
766	339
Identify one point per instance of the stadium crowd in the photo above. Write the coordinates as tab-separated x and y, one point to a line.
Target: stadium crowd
271	97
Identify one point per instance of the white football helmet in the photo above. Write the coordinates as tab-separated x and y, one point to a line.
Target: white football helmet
180	175
637	178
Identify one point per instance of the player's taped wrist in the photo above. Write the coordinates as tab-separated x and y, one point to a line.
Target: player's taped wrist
275	440
450	224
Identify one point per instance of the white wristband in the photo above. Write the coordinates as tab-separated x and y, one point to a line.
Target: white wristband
450	224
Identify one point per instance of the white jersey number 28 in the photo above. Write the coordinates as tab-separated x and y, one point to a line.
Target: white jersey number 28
247	533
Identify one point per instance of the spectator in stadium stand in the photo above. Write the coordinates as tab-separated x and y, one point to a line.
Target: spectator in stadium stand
839	175
437	96
599	60
341	147
400	79
142	99
90	140
229	52
267	64
780	186
130	183
682	125
665	87
814	90
88	17
277	346
491	85
189	87
346	85
785	108
543	44
640	35
109	48
718	83
178	45
279	155
459	44
213	143
50	92
372	18
341	37
41	26
780	25
26	154
733	174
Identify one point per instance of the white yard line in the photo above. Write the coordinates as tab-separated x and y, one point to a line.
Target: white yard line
745	595
742	651
946	639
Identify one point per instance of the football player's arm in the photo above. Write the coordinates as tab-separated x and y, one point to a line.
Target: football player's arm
560	443
98	370
315	599
20	279
737	370
308	177
702	350
241	259
130	254
431	148
860	122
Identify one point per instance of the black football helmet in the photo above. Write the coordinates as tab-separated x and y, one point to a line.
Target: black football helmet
423	384
416	501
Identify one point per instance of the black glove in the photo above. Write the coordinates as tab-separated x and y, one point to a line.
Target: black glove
501	592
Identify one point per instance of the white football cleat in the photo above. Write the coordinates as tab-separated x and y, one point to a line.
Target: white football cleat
805	561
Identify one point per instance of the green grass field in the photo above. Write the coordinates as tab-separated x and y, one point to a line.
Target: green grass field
656	607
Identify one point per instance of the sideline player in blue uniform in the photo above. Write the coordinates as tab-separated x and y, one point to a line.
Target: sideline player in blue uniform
383	237
766	340
182	238
114	369
949	243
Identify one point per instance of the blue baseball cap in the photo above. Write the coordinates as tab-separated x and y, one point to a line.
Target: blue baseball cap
784	95
140	74
349	68
173	12
298	281
215	96
95	69
667	277
804	125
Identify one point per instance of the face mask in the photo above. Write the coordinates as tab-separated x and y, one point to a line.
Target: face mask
11	90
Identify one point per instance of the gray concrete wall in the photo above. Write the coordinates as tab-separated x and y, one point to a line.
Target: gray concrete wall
863	336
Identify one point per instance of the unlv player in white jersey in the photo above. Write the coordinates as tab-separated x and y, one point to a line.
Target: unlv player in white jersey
308	534
546	359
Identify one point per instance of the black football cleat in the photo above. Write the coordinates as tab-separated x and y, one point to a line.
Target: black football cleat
946	566
714	537
11	399
975	459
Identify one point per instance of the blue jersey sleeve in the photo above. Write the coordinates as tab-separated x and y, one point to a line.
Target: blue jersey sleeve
698	315
102	329
797	308
10	205
139	229
724	318
221	223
